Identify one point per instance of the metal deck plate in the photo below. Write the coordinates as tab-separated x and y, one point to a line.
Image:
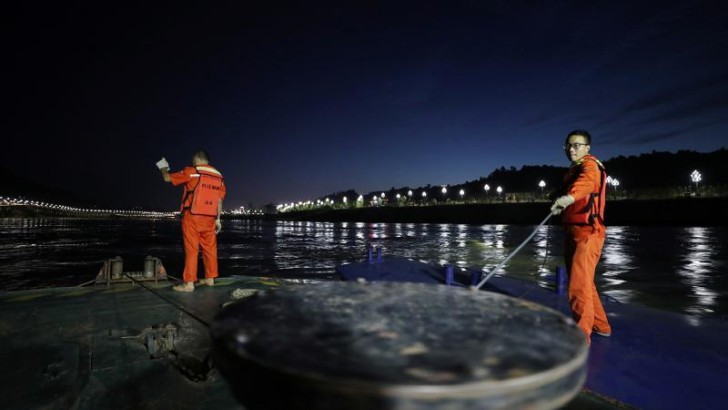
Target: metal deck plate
397	345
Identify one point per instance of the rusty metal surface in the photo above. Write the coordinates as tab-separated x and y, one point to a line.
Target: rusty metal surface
397	345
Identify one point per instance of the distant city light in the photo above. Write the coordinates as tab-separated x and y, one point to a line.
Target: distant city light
7	201
614	182
696	178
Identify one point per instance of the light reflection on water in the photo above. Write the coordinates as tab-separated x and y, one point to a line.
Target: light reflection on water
615	256
697	268
681	269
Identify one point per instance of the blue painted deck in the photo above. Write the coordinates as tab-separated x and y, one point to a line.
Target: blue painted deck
653	360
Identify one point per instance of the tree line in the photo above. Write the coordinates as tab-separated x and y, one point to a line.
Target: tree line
637	173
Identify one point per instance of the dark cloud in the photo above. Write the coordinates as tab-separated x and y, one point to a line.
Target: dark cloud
676	94
654	137
696	108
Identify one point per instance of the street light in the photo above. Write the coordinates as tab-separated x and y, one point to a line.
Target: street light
696	178
487	188
499	190
382	194
444	190
542	185
409	193
462	193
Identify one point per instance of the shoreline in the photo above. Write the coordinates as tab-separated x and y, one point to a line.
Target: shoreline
626	212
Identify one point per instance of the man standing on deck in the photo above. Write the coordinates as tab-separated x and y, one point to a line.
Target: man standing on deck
204	191
581	206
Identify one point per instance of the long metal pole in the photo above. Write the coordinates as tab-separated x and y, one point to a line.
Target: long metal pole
500	265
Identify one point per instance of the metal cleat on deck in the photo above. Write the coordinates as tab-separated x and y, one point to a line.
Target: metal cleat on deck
112	272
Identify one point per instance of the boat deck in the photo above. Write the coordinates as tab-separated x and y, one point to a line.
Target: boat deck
98	347
654	359
88	348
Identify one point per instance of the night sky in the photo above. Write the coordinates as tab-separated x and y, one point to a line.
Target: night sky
298	101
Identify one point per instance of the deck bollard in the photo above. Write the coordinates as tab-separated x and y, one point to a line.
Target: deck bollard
117	267
561	280
150	266
449	275
475	277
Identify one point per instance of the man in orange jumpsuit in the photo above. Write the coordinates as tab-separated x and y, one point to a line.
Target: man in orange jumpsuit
204	191
582	203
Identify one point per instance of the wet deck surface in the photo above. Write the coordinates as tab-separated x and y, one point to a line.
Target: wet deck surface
654	359
86	348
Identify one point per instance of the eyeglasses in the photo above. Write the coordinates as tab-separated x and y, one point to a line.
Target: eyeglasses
575	145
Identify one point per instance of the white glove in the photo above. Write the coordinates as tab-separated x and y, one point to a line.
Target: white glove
162	164
560	203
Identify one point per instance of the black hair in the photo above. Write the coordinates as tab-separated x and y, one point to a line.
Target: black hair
583	133
202	154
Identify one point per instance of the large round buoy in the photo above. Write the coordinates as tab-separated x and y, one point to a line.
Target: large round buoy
343	345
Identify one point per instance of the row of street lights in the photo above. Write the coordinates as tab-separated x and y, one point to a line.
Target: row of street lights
9	201
614	182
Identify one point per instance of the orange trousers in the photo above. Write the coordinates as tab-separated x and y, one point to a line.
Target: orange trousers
583	248
199	231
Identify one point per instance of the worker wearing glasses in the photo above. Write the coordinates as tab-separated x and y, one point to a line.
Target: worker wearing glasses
581	206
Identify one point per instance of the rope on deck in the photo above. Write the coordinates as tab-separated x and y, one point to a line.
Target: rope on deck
179	307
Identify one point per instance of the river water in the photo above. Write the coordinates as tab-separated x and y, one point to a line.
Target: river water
683	269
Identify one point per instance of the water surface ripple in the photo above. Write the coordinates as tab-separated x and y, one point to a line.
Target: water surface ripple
676	268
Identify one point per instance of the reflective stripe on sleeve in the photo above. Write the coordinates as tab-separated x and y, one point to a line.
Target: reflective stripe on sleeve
208	169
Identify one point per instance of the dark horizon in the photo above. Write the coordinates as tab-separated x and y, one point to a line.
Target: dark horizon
295	101
657	170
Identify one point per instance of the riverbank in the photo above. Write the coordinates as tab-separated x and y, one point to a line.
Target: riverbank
665	212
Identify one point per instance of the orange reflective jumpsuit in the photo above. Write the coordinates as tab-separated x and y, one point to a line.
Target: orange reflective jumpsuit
584	240
197	230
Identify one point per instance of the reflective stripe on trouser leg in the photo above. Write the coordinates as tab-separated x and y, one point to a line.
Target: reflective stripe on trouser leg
582	256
